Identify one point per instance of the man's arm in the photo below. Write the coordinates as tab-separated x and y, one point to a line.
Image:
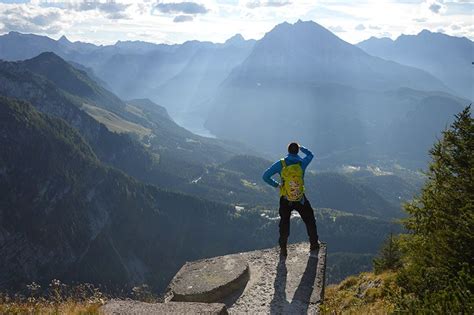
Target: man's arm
307	159
272	170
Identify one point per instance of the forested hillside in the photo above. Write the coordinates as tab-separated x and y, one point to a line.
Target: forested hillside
429	269
122	229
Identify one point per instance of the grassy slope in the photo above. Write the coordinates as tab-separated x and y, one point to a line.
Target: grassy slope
365	293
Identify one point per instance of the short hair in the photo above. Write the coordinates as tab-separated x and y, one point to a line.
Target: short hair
293	148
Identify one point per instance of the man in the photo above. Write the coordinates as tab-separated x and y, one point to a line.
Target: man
292	197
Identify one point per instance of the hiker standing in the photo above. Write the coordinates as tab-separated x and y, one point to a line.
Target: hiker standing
292	197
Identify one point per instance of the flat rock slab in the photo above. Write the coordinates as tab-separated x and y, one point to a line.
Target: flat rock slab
294	285
130	307
210	280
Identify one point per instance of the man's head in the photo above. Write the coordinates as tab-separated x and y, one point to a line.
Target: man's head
293	148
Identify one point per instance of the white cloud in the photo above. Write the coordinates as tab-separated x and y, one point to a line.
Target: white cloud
105	21
181	7
336	29
253	4
32	19
183	18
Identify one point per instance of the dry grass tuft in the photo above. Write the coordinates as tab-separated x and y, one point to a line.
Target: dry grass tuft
366	293
45	307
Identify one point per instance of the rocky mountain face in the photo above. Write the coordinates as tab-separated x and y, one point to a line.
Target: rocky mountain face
448	58
307	53
302	82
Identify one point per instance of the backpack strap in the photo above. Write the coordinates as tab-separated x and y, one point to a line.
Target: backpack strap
283	163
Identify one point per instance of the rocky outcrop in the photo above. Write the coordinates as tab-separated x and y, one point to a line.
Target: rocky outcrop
254	282
130	307
210	280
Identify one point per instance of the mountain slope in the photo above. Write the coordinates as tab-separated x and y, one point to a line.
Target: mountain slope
168	156
72	80
307	53
64	215
447	57
119	150
201	77
302	82
180	77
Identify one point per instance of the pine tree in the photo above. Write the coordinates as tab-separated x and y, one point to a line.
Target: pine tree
389	257
438	272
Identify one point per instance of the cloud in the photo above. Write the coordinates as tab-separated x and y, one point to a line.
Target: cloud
111	9
455	27
420	20
181	7
360	27
336	29
28	19
268	3
375	27
435	7
183	18
459	8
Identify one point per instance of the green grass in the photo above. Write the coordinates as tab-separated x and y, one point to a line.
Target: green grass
115	123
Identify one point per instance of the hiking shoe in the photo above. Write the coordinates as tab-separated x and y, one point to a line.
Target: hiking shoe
283	252
314	250
314	247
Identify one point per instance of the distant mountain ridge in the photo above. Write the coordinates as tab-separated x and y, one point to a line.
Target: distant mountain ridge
136	69
448	58
302	82
185	78
306	52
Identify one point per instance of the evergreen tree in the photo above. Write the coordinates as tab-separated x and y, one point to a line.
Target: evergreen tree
438	271
389	257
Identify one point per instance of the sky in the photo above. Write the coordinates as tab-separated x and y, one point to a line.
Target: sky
176	21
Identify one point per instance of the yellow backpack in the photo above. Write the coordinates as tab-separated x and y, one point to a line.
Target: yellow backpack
292	181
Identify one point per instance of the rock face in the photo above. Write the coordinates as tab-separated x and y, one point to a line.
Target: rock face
294	285
210	280
257	282
130	307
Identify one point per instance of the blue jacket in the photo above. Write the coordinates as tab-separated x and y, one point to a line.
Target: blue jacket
289	160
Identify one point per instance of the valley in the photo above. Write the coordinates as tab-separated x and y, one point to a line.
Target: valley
103	180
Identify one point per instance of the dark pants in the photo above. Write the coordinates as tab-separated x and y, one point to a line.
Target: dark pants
306	213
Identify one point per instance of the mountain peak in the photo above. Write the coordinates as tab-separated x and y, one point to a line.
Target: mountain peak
301	35
425	32
14	33
302	28
378	40
48	56
236	39
64	40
